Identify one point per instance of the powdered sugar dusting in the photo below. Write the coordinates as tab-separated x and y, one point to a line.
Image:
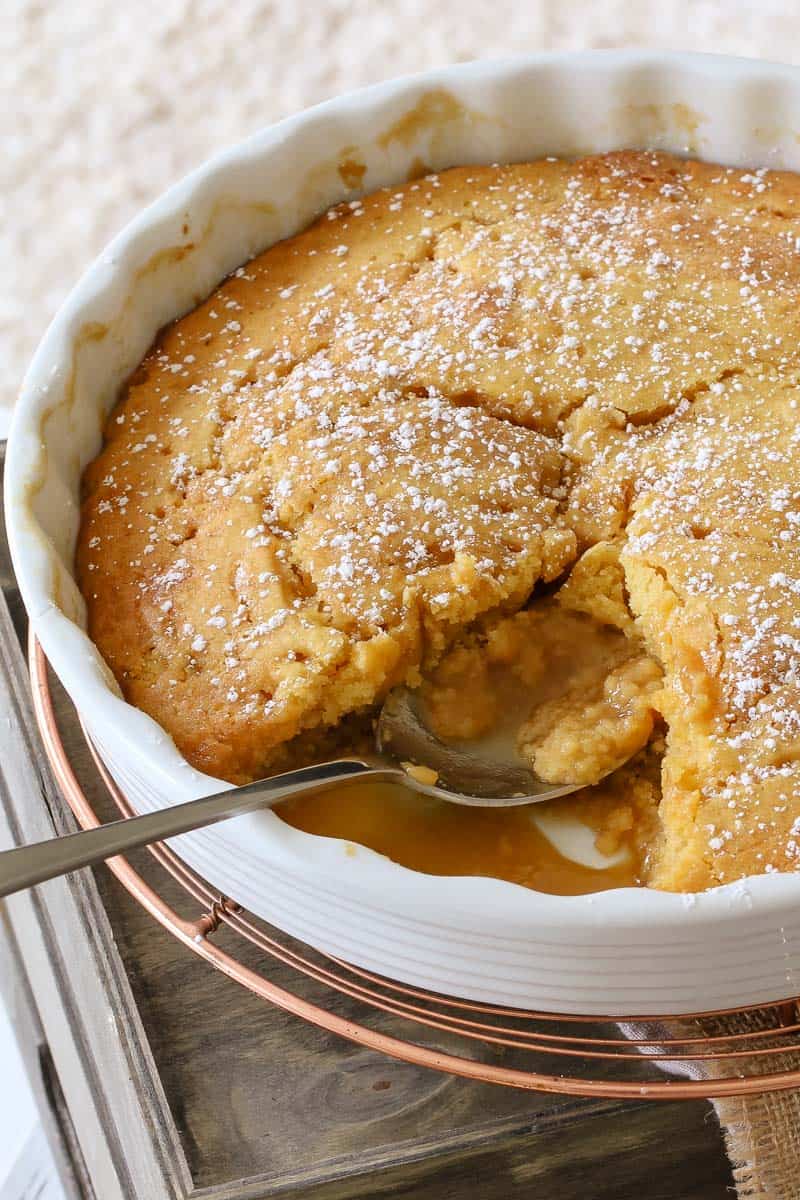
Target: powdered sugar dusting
402	419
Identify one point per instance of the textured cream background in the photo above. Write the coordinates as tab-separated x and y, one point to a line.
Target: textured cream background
105	104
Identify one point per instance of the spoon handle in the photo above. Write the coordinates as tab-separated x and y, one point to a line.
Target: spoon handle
27	865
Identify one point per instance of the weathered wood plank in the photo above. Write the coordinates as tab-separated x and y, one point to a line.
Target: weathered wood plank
21	1009
83	1000
82	996
614	1153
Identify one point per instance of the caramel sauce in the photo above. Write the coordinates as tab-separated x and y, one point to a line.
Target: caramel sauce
442	839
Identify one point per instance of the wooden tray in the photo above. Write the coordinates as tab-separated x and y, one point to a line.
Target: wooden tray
160	1078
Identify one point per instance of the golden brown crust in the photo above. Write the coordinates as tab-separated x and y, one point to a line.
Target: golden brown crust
279	527
402	419
712	564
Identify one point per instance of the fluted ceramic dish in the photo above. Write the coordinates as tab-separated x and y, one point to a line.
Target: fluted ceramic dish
622	951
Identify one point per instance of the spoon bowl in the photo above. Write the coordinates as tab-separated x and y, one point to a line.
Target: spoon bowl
486	772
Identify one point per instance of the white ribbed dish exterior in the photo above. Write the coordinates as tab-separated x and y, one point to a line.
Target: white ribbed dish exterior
624	951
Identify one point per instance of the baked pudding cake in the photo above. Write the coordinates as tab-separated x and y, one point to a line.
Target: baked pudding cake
538	419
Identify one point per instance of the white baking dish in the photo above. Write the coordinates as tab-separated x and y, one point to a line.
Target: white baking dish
624	951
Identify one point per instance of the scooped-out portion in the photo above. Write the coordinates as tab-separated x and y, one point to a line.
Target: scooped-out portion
579	697
535	422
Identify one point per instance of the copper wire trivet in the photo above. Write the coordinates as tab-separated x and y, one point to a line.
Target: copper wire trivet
737	1063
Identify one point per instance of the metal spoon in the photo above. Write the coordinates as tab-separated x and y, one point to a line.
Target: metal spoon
488	773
